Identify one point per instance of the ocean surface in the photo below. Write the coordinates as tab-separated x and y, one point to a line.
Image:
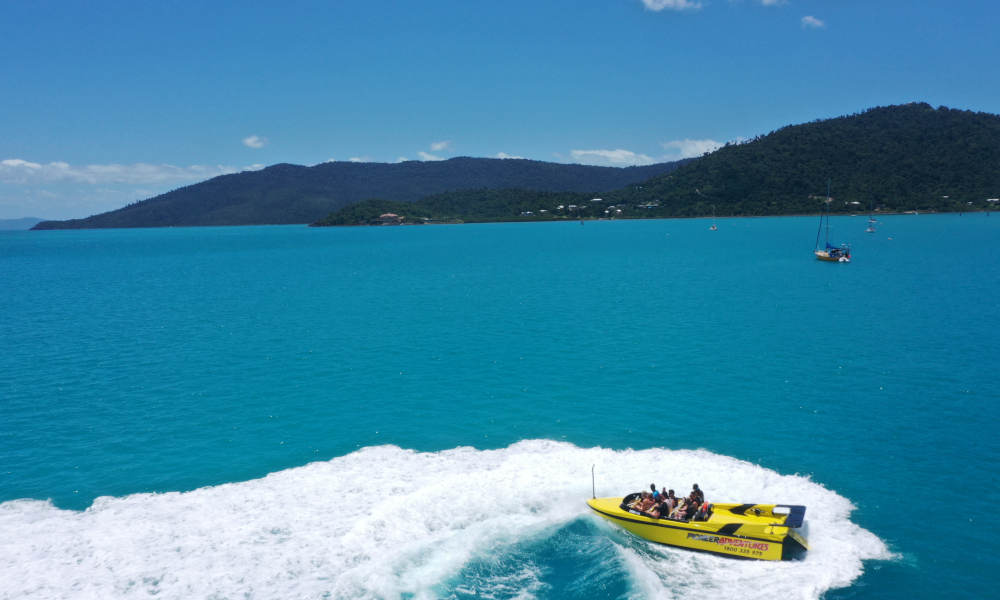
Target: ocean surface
413	412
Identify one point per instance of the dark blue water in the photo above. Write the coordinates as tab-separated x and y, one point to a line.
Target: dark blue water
406	366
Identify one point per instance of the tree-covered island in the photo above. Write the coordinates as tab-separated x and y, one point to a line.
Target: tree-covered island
911	157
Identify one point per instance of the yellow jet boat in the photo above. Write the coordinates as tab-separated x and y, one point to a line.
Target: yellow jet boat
759	531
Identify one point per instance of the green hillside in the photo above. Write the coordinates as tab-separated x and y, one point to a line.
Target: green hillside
284	194
894	159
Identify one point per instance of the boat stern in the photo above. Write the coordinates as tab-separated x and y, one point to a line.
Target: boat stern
794	545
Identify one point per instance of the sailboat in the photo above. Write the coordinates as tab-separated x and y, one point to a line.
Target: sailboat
714	227
871	220
829	252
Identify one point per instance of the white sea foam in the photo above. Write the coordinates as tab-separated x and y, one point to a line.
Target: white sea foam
384	522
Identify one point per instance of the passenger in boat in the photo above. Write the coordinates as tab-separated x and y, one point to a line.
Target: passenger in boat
664	507
669	501
688	508
643	500
646	503
698	493
704	511
656	494
678	511
696	500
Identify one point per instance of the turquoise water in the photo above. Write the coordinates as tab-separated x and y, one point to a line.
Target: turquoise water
428	402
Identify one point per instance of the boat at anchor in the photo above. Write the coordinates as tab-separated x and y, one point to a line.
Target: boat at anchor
830	252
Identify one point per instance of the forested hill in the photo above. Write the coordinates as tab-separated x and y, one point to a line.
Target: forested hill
895	158
285	193
890	159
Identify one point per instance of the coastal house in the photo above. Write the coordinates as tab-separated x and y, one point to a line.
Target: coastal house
390	219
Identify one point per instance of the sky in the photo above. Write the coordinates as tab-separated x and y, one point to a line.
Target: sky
105	103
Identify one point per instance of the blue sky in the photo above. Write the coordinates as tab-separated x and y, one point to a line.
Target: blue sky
106	103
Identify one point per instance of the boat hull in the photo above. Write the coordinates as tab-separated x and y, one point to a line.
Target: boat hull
825	256
741	534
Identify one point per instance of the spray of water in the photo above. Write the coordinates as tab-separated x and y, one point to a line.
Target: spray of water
385	522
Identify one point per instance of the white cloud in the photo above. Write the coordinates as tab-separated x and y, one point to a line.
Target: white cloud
611	157
658	5
812	22
439	146
688	148
17	163
254	141
505	155
18	171
59	190
360	159
763	2
401	159
428	156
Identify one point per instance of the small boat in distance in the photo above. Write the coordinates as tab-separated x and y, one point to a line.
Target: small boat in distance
758	531
829	252
871	220
714	227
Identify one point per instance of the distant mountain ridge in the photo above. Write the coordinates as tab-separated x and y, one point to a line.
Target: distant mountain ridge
288	194
889	159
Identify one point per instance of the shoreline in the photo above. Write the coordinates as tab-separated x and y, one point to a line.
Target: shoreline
567	220
586	219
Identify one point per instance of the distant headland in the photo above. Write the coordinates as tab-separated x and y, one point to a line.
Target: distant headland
910	157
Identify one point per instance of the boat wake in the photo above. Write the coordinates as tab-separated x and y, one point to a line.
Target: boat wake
385	522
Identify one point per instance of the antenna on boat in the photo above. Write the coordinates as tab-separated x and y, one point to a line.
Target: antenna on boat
592	484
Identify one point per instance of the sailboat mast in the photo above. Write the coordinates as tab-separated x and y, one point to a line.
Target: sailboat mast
823	216
828	200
